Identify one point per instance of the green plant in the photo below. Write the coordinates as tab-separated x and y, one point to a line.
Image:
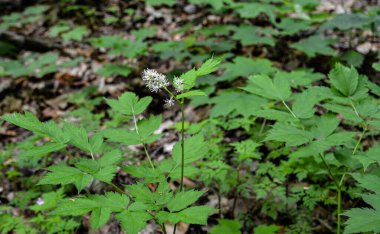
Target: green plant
140	204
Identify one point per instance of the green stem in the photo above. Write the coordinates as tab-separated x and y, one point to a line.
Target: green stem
148	156
182	143
329	170
143	143
173	96
119	190
287	107
182	148
354	108
262	127
339	211
339	195
360	139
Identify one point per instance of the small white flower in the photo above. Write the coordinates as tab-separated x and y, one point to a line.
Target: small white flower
154	80
178	84
40	201
169	102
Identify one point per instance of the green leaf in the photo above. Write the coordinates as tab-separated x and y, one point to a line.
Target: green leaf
344	79
78	136
192	215
76	34
184	199
146	128
195	149
346	21
110	158
226	226
111	69
141	193
303	105
289	134
133	222
62	174
40	151
290	26
244	67
363	220
101	207
209	66
191	93
315	45
225	106
123	136
189	79
27	121
129	104
254	9
267	229
276	89
252	35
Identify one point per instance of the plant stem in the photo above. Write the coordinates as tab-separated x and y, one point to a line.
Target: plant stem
182	148
147	155
182	143
339	211
262	126
329	170
119	190
354	108
143	143
360	139
339	195
163	228
287	107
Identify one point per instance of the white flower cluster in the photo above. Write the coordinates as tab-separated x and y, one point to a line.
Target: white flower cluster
178	84
154	80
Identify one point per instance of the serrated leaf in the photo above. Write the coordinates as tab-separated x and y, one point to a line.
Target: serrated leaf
40	151
303	105
252	35
146	128
78	136
254	9
192	215
111	69
244	67
123	136
224	106
226	226
110	158
314	45
184	199
344	79
362	220
209	66
189	79
346	21
27	121
191	94
100	207
133	222
62	174
141	193
262	85
289	134
195	149
129	104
